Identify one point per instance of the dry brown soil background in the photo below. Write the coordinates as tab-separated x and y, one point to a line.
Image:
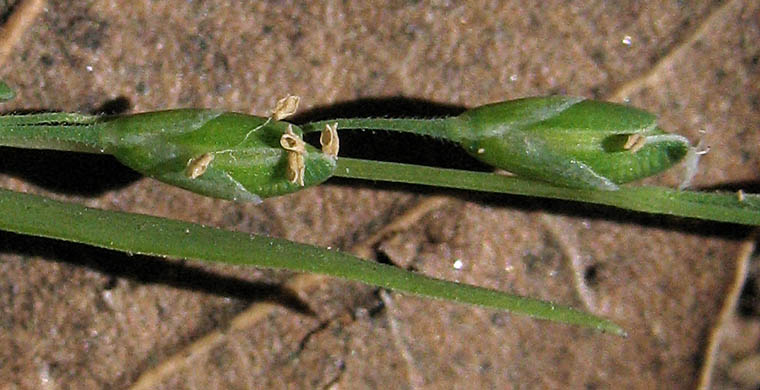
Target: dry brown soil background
75	317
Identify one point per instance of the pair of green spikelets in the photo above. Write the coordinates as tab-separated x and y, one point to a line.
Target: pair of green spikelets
566	141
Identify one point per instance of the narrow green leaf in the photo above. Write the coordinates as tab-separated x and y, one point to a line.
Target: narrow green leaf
142	234
722	207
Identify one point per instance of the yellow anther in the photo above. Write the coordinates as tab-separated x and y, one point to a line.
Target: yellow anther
285	107
329	140
296	149
635	142
197	166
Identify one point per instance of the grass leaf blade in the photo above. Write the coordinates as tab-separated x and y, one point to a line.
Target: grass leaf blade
721	207
136	233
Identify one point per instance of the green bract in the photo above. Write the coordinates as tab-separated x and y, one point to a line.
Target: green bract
220	154
569	141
